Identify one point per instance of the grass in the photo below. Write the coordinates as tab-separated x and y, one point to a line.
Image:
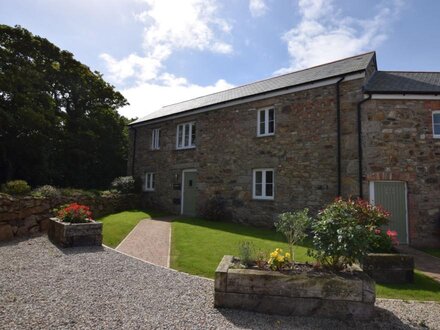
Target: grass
198	246
116	226
432	251
423	288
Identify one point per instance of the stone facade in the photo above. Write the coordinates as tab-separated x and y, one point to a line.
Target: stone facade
24	216
397	144
302	152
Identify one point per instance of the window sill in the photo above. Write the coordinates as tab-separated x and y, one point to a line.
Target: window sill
266	199
265	135
186	148
149	190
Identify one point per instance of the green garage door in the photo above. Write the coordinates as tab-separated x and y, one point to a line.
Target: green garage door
391	195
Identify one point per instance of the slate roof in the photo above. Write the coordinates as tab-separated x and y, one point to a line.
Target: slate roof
348	65
399	82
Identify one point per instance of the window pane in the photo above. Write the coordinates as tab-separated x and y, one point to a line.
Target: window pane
437	129
152	181
158	139
146	181
269	176
271	121
193	135
179	136
258	189
258	177
436	118
269	189
262	129
186	143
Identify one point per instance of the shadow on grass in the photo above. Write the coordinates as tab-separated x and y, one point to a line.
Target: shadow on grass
239	229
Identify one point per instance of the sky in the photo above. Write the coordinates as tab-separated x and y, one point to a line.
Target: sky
159	52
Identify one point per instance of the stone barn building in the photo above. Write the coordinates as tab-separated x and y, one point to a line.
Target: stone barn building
299	140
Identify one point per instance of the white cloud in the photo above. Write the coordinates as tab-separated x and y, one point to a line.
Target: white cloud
257	7
169	26
325	35
148	97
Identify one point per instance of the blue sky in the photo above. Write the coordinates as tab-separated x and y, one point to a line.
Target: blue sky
158	52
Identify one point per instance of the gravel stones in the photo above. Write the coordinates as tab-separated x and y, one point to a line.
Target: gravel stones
43	287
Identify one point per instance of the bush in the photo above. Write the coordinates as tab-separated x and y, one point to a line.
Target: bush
343	231
278	261
246	252
74	213
16	187
72	192
215	209
46	191
124	184
383	241
293	226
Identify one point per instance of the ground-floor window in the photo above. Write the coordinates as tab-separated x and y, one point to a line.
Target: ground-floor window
263	183
149	182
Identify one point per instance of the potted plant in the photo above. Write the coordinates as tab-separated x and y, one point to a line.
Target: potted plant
333	287
384	264
74	226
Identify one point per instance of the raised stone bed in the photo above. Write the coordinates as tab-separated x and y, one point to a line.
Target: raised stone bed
66	234
305	294
389	267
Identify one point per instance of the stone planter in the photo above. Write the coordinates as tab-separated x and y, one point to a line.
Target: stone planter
389	267
74	234
304	294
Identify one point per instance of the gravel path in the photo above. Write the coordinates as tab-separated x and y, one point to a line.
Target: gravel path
149	241
43	287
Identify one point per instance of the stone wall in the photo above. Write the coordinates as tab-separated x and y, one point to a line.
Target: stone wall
24	216
302	152
398	145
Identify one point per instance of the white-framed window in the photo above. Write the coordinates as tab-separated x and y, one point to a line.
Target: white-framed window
263	183
266	122
149	182
186	136
436	124
155	139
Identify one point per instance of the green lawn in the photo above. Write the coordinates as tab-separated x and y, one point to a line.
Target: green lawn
432	251
198	246
116	226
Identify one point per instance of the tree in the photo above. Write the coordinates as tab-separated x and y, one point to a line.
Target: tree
58	119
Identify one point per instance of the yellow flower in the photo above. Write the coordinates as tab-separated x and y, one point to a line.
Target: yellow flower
280	258
287	255
274	254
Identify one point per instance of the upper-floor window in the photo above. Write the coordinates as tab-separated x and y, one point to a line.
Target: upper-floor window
263	184
436	124
155	139
186	136
149	182
266	122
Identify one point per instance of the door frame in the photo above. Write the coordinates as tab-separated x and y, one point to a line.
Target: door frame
183	187
372	201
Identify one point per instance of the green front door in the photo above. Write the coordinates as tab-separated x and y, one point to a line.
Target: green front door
391	195
189	193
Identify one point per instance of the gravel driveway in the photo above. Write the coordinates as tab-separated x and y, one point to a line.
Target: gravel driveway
43	287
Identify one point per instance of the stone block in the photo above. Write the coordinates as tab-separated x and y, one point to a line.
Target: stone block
6	232
389	268
305	294
74	234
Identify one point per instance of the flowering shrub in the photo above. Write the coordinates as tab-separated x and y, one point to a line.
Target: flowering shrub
16	187
277	260
343	231
75	213
123	184
383	241
46	191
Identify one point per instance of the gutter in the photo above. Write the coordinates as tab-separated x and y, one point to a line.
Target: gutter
359	127
134	150
338	135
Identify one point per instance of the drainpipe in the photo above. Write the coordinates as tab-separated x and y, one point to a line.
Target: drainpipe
338	135
134	151
359	127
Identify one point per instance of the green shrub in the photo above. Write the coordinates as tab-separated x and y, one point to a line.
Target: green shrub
16	187
246	252
293	226
343	231
46	191
124	184
215	209
72	192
